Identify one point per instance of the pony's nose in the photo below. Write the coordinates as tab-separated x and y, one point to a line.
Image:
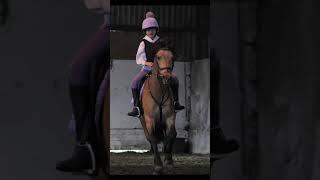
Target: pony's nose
166	74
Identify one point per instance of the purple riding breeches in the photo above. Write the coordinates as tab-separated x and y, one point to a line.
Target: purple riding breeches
139	79
98	106
93	51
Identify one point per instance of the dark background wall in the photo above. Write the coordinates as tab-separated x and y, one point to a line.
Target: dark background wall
34	107
287	89
224	31
288	96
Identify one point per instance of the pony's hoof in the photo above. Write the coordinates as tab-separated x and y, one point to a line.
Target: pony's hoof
168	163
157	170
155	173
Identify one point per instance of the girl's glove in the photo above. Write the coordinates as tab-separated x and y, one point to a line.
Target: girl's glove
150	64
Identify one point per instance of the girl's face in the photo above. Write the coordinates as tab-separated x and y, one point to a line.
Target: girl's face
151	33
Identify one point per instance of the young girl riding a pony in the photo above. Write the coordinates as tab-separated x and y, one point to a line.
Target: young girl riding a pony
144	57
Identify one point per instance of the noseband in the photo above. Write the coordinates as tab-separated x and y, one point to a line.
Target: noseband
169	68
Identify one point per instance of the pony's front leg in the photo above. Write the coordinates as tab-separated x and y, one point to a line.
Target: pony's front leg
158	167
149	126
169	141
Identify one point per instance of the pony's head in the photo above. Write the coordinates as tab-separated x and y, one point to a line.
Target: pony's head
163	62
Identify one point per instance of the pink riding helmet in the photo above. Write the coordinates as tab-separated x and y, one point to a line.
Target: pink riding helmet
150	21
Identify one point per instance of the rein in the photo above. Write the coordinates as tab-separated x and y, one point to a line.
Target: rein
163	91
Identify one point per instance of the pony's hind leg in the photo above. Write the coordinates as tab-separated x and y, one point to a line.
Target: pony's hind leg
168	145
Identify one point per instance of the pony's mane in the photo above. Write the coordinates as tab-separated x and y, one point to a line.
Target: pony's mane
155	67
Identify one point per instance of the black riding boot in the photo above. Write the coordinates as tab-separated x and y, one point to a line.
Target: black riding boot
82	160
136	112
175	91
83	157
221	145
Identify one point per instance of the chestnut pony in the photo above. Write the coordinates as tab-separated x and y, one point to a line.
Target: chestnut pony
158	119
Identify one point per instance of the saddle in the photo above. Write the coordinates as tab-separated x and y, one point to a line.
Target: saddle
142	83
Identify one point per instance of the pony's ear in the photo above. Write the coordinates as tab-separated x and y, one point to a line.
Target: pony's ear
166	43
